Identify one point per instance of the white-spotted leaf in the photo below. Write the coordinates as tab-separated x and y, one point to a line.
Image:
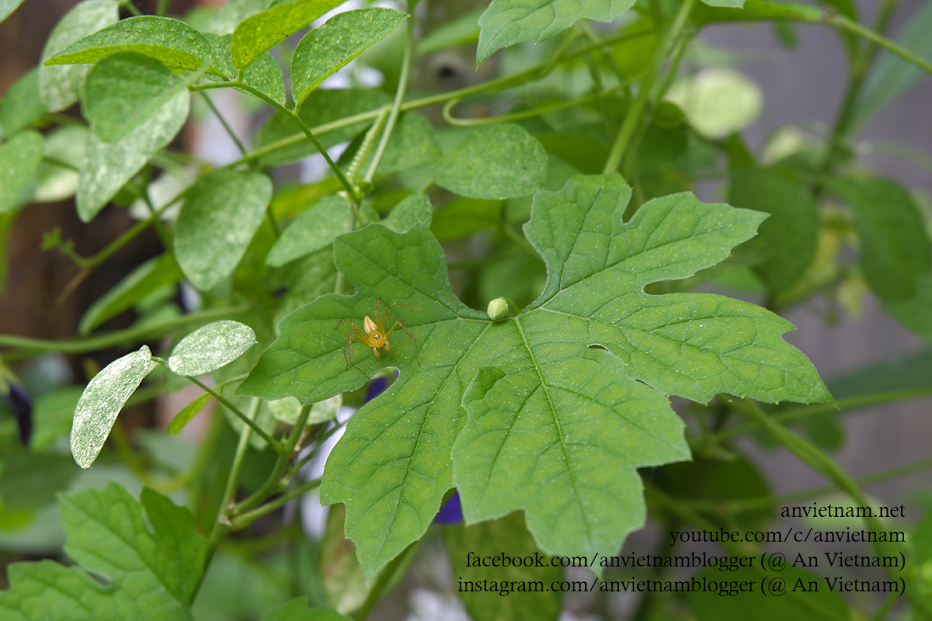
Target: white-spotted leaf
499	161
108	166
210	347
168	40
19	160
259	33
220	215
59	86
314	229
102	400
325	50
507	22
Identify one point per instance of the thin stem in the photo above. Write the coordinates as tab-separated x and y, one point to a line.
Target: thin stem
844	23
860	65
399	94
824	408
297	120
162	8
452	120
633	116
385	577
281	464
223	122
275	444
129	6
248	517
114	246
94	343
222	525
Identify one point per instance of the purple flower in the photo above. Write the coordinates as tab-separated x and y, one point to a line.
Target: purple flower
375	388
21	405
451	512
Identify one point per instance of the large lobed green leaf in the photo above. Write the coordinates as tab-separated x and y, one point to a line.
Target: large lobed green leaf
151	575
507	22
555	387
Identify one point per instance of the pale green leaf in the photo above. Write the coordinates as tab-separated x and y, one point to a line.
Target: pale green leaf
148	277
325	50
152	562
107	167
288	410
210	347
102	400
493	538
323	107
22	104
595	423
314	229
297	610
225	20
60	87
220	215
170	41
788	238
498	161
413	144
259	33
19	160
54	183
729	4
187	414
414	209
894	245
507	22
718	102
124	90
7	7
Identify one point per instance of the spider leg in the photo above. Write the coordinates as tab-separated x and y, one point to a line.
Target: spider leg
354	334
408	332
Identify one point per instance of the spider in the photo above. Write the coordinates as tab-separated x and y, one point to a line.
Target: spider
373	334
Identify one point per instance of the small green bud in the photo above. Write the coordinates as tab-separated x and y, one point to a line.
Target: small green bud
498	309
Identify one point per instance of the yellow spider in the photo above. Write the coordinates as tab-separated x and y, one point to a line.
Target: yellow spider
373	334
